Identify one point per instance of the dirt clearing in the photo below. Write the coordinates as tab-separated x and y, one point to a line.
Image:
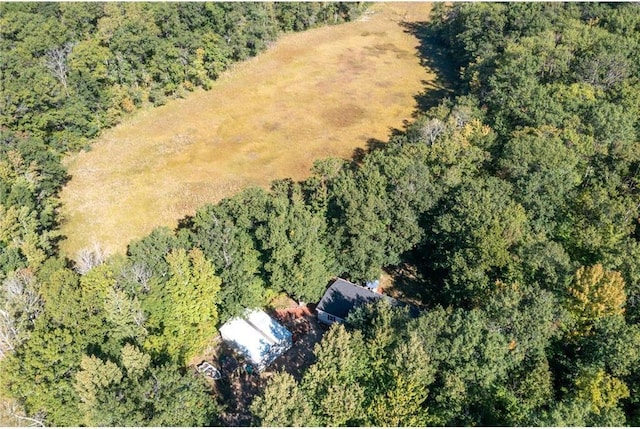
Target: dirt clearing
321	93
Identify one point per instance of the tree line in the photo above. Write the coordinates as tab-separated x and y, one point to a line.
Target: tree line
67	72
515	203
72	69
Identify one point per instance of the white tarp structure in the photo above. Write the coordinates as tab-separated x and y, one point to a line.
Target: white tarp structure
257	336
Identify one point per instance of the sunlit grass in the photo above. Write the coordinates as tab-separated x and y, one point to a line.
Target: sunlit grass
320	93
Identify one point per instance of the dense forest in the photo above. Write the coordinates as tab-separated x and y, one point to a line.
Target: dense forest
515	205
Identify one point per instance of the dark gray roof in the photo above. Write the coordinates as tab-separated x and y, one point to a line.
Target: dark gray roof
342	296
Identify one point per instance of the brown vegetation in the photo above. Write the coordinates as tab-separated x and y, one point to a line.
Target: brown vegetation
325	92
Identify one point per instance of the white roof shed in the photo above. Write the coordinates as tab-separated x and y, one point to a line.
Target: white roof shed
257	336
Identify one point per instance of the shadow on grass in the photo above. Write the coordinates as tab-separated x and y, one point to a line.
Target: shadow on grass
434	57
372	144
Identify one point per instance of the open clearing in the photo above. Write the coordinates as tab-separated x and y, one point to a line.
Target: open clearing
316	94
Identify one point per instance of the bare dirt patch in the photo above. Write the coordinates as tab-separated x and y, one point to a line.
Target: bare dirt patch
321	93
307	332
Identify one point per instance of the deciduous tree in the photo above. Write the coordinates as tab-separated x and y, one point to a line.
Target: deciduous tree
283	403
189	299
595	293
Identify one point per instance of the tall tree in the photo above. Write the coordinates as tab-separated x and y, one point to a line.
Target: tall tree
135	393
230	244
595	293
283	403
188	317
475	233
298	260
333	383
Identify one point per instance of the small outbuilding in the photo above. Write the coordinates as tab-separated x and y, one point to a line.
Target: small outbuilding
257	336
342	297
209	370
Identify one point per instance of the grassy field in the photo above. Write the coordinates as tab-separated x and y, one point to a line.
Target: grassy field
321	93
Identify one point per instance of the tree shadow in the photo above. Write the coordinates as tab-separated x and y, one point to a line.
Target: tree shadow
416	282
408	284
301	356
373	144
360	153
237	388
434	57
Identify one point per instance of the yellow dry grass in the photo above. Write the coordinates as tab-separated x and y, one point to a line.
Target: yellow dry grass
321	93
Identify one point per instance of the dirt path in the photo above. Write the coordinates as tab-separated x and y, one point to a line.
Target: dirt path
325	92
300	356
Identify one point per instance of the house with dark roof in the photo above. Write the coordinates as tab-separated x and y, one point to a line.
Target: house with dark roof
342	297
